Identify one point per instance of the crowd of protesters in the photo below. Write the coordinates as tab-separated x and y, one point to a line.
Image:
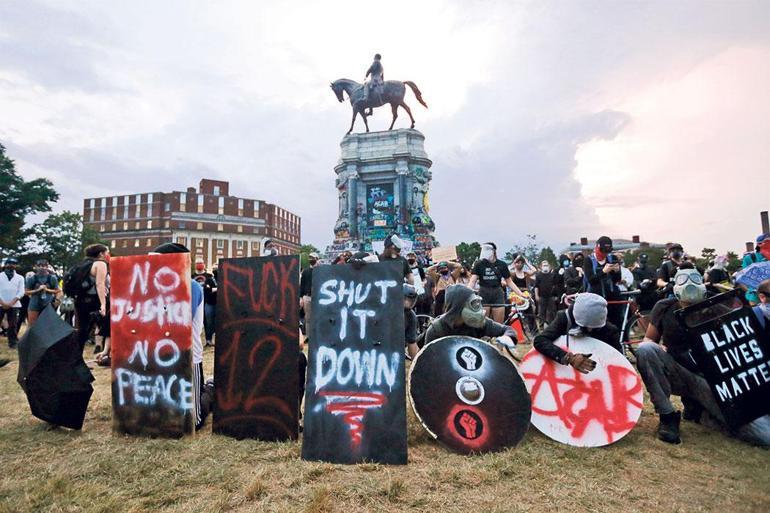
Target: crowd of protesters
581	295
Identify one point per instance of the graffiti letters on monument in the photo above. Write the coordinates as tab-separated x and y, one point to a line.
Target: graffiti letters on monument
355	405
733	353
151	316
257	350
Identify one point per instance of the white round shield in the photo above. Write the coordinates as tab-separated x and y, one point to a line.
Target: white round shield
584	410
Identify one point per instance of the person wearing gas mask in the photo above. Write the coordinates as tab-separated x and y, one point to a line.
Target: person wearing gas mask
489	272
464	316
42	288
586	316
669	369
11	292
209	284
645	277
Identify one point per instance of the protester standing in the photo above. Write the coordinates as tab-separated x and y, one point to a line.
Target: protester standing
209	284
490	273
392	251
306	288
601	271
11	293
645	278
92	303
544	286
42	288
443	275
573	277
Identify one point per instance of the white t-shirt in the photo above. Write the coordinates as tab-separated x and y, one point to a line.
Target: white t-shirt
11	289
197	321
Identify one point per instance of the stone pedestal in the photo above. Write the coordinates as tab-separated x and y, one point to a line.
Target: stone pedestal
382	181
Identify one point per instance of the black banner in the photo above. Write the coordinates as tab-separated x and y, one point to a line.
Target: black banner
355	402
733	353
257	349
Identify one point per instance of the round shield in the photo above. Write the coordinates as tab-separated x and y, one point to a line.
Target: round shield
468	396
585	410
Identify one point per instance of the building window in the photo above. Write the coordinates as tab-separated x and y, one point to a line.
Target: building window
220	227
125	243
239	244
103	214
138	226
182	241
91	202
137	211
166	224
200	226
200	203
125	226
138	199
101	228
112	244
167	206
125	211
112	201
181	225
216	190
198	243
149	225
240	204
149	198
93	215
220	244
136	243
240	228
149	242
114	227
149	210
221	202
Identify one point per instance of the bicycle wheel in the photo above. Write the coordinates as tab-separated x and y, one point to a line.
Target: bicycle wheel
423	321
636	331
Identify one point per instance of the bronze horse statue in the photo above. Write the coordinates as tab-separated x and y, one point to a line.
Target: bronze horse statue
392	92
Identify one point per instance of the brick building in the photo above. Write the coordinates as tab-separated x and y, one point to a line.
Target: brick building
209	221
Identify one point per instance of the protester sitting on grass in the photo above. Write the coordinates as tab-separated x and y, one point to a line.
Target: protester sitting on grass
670	369
464	315
586	316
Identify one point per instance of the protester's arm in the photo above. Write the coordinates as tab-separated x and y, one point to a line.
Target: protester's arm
474	279
516	290
544	341
20	292
101	286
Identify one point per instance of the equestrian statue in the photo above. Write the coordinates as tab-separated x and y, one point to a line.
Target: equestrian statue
375	93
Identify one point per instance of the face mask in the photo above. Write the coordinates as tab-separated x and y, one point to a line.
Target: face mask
200	268
546	268
578	262
445	272
565	264
688	286
473	313
412	261
312	262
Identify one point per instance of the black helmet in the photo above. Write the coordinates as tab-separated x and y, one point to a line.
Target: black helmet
377	56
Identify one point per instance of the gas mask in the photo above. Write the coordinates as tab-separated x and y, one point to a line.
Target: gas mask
487	252
688	286
473	312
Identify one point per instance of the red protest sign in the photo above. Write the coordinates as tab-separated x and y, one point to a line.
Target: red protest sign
151	317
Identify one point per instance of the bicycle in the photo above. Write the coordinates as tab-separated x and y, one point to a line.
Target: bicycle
632	331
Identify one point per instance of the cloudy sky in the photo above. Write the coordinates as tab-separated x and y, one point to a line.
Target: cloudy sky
559	119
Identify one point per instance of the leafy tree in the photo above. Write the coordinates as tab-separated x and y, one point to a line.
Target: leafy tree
63	237
304	251
733	262
18	199
654	257
468	253
531	250
546	254
707	257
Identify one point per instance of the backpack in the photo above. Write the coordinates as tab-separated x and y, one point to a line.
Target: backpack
78	280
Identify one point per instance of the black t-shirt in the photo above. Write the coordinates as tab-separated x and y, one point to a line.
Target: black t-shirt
490	273
544	282
407	269
410	326
667	270
208	283
673	336
306	282
519	282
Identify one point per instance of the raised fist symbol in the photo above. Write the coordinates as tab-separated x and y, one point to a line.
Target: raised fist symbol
469	358
469	424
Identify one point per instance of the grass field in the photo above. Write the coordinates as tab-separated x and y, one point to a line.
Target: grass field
56	470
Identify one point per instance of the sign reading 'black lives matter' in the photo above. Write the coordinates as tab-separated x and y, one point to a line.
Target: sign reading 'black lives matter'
733	353
355	402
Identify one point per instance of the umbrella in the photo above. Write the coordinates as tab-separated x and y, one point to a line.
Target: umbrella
754	274
52	372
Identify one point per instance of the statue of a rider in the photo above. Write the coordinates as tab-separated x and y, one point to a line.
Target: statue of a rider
374	86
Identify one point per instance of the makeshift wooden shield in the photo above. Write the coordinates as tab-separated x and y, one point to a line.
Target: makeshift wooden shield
585	410
151	314
257	349
733	353
355	402
468	396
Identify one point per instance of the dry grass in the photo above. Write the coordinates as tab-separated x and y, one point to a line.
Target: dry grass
57	470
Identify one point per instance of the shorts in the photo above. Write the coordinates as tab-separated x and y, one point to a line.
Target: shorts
492	295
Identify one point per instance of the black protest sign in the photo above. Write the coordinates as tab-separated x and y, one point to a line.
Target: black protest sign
355	402
257	349
733	353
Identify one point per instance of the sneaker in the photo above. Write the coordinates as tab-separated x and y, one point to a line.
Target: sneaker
668	427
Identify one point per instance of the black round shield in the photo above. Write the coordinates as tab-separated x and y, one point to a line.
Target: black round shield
469	396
